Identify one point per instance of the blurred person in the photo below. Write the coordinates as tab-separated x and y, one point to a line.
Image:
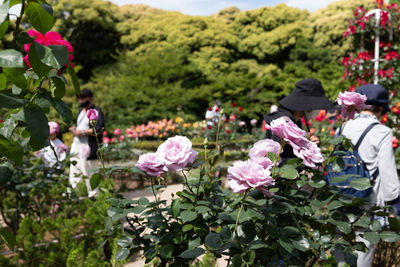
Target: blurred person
212	114
84	145
306	100
377	152
52	157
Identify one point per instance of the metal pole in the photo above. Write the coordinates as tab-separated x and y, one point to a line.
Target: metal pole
377	41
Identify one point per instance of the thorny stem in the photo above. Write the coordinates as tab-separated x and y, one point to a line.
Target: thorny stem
187	183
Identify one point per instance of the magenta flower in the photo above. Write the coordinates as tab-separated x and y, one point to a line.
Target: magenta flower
92	114
177	152
259	152
106	140
351	102
244	175
151	163
54	127
117	131
50	38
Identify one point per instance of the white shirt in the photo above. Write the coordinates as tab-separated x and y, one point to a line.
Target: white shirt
377	153
80	144
48	155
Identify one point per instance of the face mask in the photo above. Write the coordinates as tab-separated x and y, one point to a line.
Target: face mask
84	104
311	114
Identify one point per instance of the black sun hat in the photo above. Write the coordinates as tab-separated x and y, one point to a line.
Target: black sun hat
376	95
308	94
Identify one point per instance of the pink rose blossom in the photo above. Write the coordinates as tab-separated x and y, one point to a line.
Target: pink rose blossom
310	154
54	127
259	152
253	122
232	117
117	131
121	138
113	140
177	152
244	175
92	114
151	163
351	102
242	123
106	140
50	38
288	131
62	148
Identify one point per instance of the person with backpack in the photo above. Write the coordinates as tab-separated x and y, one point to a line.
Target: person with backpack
306	100
375	150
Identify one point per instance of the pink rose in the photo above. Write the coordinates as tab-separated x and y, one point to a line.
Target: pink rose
151	163
177	152
114	140
242	123
121	138
62	148
253	122
54	127
351	102
117	131
288	131
50	38
259	152
92	114
106	140
232	117
244	175
310	154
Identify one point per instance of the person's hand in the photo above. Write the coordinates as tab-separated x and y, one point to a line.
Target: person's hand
315	139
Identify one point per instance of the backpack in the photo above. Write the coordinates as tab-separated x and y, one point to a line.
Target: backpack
354	165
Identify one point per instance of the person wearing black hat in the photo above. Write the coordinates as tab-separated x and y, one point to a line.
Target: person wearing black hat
377	152
84	146
306	100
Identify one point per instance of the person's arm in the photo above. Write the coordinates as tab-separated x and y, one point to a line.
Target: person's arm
389	181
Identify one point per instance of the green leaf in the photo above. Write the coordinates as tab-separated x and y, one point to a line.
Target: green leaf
37	125
317	184
95	180
4	27
360	184
249	230
8	127
40	16
11	58
343	227
372	237
55	56
249	257
6	173
337	140
394	224
4	8
335	204
286	244
187	227
16	76
11	150
175	207
301	244
124	242
166	251
8	238
188	216
213	240
288	172
38	66
192	253
122	254
3	81
64	110
389	236
74	78
136	170
58	90
24	38
43	101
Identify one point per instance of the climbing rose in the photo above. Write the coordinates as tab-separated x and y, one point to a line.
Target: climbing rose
92	114
151	163
351	102
176	152
244	175
50	38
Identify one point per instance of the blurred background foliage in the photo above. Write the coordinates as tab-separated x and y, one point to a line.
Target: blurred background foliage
145	64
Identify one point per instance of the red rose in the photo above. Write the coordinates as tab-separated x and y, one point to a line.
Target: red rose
240	109
209	127
210	109
227	131
217	109
233	104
